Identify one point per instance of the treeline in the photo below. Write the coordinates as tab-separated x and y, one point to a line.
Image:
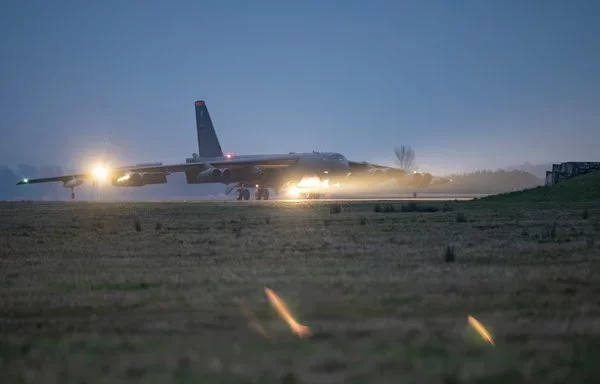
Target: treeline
177	188
488	182
538	170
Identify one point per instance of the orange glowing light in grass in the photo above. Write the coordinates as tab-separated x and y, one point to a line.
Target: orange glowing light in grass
299	329
480	329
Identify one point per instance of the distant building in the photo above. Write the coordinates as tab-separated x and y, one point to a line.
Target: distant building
564	171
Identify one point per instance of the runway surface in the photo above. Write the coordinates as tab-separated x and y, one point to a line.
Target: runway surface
231	200
273	201
345	200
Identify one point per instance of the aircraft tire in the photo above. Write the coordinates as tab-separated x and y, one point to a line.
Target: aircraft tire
246	194
239	194
265	194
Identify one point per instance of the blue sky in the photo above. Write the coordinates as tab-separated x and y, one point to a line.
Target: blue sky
469	84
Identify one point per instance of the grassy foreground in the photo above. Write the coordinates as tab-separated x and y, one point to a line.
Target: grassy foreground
174	292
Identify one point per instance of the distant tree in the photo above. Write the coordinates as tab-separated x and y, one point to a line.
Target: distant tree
405	157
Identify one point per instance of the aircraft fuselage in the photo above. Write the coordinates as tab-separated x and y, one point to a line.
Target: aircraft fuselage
325	165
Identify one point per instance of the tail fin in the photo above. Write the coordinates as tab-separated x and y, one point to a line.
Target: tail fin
208	143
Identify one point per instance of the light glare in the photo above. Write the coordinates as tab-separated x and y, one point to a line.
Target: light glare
283	311
100	173
480	329
123	178
293	192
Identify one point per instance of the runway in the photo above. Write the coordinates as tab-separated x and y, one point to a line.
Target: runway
231	199
275	200
342	200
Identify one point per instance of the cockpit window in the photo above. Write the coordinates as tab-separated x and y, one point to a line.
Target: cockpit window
339	157
334	156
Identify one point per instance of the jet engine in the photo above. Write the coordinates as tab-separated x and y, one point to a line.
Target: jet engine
417	178
426	179
379	175
139	179
226	174
399	175
209	173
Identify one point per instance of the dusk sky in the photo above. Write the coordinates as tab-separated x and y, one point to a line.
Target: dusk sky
469	84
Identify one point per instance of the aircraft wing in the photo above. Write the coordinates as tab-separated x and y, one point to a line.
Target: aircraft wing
264	162
363	165
233	163
57	178
366	173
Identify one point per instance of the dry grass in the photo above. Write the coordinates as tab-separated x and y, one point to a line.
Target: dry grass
85	297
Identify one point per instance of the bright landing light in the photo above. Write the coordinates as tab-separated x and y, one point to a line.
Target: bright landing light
308	184
293	192
100	173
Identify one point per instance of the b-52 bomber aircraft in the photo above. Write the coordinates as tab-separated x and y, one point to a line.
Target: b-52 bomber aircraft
304	175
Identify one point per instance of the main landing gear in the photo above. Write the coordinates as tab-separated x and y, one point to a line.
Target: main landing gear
242	193
261	193
72	194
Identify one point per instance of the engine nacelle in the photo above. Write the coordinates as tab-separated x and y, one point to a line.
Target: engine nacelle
72	183
400	176
379	174
139	179
417	178
226	174
426	180
209	173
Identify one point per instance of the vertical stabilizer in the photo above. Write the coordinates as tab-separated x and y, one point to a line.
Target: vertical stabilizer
208	143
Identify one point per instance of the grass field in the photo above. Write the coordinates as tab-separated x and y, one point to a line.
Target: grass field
174	292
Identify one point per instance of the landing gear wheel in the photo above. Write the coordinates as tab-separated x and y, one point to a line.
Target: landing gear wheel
261	193
72	195
246	194
239	194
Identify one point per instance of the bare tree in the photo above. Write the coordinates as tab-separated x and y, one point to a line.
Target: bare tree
405	157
